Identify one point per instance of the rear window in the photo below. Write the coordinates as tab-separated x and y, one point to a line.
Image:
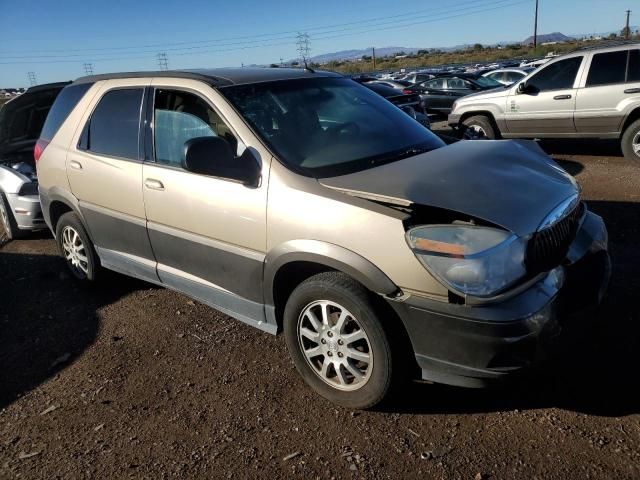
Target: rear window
66	101
115	123
608	68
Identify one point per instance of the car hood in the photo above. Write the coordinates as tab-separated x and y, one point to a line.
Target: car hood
510	183
496	92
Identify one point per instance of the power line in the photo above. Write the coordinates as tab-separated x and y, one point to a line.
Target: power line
88	68
431	19
323	30
163	61
32	78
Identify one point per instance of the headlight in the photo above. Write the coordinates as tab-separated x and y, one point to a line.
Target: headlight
469	260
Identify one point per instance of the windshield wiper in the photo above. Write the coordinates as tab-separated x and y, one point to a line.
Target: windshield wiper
399	155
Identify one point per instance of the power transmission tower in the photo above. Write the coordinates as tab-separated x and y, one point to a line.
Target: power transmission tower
626	28
32	78
88	68
303	45
163	61
535	28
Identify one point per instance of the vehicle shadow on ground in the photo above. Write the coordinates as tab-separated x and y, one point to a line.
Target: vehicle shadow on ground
582	146
597	370
47	319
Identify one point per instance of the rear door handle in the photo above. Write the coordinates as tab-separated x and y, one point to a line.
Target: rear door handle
75	165
562	97
153	184
632	90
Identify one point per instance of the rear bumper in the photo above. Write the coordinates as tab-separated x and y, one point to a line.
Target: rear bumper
482	345
27	211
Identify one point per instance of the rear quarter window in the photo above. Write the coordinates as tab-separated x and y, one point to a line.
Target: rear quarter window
62	107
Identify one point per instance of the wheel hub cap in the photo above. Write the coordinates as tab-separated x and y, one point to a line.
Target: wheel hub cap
74	251
335	345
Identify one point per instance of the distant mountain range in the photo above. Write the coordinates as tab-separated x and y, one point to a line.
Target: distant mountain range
390	51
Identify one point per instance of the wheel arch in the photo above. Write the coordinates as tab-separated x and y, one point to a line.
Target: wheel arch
631	117
289	264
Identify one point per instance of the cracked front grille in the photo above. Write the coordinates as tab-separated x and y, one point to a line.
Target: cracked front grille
548	247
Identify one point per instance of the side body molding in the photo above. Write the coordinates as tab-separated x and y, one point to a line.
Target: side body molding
329	254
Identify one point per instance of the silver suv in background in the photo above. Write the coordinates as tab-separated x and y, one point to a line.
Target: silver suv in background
592	92
303	202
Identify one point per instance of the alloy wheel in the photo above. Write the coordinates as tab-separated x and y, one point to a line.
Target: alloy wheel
335	345
474	132
74	251
635	143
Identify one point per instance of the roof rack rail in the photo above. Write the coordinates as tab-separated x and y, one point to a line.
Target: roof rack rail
606	44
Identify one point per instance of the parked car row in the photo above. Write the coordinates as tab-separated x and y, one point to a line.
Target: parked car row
592	92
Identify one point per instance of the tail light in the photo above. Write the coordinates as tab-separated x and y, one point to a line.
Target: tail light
406	91
41	144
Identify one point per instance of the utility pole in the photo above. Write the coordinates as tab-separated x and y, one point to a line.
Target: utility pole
32	78
88	68
163	61
535	28
626	28
373	56
303	45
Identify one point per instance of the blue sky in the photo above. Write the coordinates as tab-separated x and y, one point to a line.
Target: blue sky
55	38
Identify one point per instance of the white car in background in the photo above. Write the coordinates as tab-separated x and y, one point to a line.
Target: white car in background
509	76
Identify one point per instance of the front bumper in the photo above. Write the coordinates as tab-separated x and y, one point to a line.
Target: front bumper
27	211
454	120
481	345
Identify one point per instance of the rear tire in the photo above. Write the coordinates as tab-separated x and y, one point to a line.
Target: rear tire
348	362
478	127
630	142
76	248
7	219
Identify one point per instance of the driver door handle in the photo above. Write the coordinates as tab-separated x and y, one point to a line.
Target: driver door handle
632	90
76	165
562	97
153	184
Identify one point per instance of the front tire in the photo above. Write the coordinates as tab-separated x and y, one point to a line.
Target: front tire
630	142
337	341
478	127
76	248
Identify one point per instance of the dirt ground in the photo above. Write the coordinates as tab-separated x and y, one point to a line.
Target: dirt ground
124	379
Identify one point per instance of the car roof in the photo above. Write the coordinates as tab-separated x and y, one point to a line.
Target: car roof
220	77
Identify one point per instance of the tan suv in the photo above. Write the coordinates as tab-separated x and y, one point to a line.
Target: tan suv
590	93
303	202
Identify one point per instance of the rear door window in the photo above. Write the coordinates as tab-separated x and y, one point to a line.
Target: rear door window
558	76
114	126
607	68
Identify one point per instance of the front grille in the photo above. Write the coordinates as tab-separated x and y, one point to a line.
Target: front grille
548	247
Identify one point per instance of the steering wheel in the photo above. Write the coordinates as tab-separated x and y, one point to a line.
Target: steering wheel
349	129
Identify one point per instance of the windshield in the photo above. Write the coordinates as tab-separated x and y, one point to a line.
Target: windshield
487	82
324	127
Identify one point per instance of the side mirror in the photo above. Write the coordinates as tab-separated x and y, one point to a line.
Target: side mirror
213	156
522	87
